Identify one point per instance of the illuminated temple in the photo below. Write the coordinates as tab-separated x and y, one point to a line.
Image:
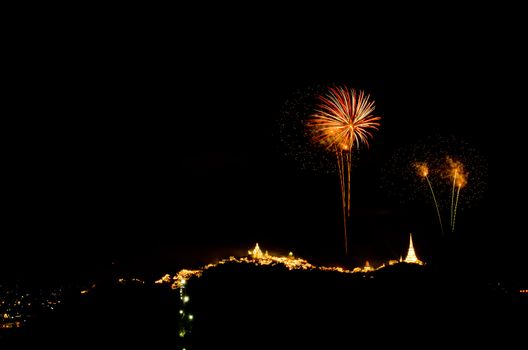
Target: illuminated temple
257	253
411	257
291	262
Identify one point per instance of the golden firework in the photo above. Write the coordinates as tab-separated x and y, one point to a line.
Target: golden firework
343	120
456	171
423	171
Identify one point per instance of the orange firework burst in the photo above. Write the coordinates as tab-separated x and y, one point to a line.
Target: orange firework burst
422	169
344	120
455	171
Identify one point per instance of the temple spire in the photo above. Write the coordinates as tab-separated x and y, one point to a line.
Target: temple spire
257	253
411	257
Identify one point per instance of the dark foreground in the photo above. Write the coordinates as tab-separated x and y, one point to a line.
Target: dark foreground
244	306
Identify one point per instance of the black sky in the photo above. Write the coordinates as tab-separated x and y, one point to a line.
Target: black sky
136	145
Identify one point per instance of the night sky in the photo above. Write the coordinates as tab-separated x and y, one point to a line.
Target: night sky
152	150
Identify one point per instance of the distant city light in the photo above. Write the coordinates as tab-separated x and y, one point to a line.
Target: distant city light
16	308
186	299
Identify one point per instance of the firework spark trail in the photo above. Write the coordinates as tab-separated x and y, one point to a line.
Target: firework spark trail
436	205
456	168
423	171
342	122
456	205
348	157
462	181
340	166
453	200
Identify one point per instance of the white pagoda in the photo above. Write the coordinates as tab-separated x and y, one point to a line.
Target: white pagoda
411	257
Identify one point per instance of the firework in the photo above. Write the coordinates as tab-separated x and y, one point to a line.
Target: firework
423	171
343	120
455	170
444	164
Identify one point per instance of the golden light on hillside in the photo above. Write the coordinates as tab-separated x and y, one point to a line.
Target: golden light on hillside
256	257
